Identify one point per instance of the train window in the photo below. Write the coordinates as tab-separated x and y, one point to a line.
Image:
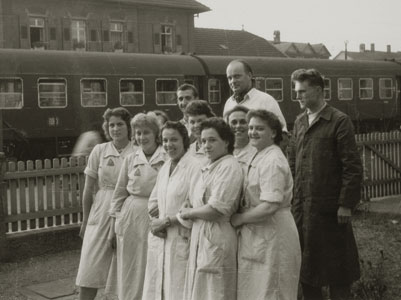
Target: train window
132	92
327	89
93	92
366	88
166	91
345	89
386	88
260	84
274	87
11	96
52	92
214	91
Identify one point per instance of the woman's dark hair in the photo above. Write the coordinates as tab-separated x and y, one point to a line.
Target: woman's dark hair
270	119
120	112
222	129
160	113
181	129
199	107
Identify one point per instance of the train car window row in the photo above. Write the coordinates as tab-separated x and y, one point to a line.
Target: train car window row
132	92
385	88
52	92
366	88
11	95
93	92
166	91
214	89
274	87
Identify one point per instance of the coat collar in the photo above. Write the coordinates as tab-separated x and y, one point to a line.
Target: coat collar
158	156
110	150
326	114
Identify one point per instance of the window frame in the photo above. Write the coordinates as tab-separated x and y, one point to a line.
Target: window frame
166	35
66	92
360	89
391	88
81	92
77	31
261	80
22	93
282	87
135	93
325	89
209	91
156	92
352	89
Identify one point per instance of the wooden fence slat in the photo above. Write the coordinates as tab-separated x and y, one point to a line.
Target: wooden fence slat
42	214
22	225
49	193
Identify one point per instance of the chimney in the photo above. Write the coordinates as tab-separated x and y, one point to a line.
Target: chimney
362	48
372	47
388	48
276	34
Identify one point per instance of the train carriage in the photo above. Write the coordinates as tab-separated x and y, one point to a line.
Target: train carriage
48	98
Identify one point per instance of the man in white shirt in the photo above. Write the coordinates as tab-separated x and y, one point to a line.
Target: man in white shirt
239	75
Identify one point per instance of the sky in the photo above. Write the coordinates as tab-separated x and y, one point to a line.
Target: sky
315	21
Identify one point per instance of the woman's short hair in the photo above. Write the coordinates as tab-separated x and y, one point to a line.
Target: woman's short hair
236	108
222	128
181	129
120	112
199	107
270	119
148	120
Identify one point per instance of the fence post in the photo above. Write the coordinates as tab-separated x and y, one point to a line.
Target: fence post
3	202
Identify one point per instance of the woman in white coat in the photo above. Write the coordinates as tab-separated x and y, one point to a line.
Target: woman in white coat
212	263
129	207
169	239
101	172
269	253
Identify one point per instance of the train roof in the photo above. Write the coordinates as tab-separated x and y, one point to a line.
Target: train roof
284	66
14	62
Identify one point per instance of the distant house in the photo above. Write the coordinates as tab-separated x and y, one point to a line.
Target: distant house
300	50
210	41
136	26
371	54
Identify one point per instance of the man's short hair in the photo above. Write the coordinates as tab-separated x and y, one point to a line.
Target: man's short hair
247	67
187	86
199	107
312	76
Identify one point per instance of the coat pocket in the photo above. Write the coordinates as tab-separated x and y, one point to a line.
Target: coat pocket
252	244
182	248
210	257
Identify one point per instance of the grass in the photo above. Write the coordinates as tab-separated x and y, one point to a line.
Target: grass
378	239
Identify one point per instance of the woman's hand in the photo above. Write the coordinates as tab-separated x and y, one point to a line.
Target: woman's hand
185	213
236	220
82	230
154	212
158	227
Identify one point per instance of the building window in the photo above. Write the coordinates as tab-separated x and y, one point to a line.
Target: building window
11	95
36	32
345	89
385	88
52	92
132	92
327	89
116	34
93	92
366	88
274	87
167	39
166	91
78	34
214	91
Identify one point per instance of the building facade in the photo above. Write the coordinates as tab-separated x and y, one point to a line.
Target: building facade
152	26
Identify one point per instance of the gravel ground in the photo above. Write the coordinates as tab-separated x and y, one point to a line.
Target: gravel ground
375	234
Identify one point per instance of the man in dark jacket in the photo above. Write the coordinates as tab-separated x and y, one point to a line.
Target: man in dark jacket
328	174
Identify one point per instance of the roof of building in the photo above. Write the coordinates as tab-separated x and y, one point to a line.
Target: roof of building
305	50
211	41
369	55
186	4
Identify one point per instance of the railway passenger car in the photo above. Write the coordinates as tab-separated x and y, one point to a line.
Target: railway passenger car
48	98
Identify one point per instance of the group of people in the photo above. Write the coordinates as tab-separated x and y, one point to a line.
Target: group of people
205	208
